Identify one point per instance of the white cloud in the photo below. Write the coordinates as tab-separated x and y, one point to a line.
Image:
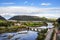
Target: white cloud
46	12
19	9
45	4
8	3
53	15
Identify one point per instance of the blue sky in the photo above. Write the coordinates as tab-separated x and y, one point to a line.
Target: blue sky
35	3
42	8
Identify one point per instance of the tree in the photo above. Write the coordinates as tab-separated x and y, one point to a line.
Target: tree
58	20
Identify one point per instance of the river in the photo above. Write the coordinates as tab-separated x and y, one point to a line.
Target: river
29	35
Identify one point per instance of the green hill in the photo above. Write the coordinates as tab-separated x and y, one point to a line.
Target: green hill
25	18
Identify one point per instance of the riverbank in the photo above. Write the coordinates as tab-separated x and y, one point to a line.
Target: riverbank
42	34
10	29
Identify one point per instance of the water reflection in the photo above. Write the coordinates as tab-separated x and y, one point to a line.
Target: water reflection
30	35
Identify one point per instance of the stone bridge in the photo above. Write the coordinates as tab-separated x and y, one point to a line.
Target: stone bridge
35	28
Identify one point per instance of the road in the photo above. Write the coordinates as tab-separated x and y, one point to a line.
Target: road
48	36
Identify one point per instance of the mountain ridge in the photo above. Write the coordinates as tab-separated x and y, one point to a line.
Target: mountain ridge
2	18
25	18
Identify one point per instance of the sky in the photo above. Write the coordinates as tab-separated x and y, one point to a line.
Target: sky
41	8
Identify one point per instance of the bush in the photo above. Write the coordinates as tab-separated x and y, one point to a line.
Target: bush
10	29
41	35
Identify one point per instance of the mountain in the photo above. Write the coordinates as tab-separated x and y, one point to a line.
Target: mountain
25	18
2	18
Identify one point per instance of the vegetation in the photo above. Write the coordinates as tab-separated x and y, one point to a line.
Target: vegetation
25	18
5	23
58	20
42	34
10	29
6	26
57	23
34	24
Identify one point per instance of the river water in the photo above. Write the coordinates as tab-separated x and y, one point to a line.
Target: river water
29	35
